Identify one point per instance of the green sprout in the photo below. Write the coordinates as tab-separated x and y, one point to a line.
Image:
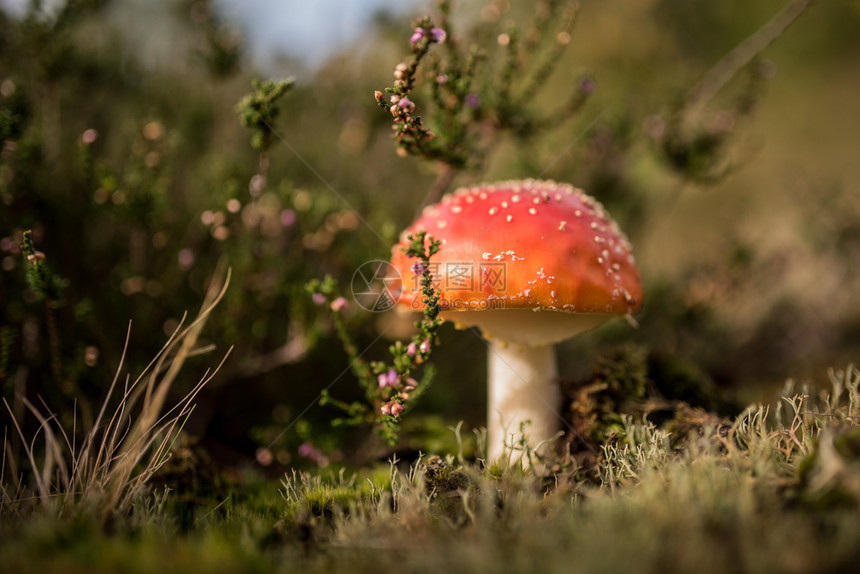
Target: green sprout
259	109
47	285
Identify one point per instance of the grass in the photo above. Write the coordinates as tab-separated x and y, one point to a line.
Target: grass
777	489
121	452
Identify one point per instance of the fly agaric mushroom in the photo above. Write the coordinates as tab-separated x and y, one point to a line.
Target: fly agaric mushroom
530	263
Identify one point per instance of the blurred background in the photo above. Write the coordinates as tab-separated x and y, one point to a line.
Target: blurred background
122	152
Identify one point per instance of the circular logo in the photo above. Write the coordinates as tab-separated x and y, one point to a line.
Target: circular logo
376	286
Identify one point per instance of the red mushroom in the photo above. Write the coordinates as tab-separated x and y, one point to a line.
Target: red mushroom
530	263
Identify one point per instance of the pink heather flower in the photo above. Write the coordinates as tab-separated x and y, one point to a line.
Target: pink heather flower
185	258
264	456
318	298
338	304
437	35
411	349
385	409
396	409
410	384
586	85
473	101
89	137
288	217
310	451
388	379
425	346
418	268
405	104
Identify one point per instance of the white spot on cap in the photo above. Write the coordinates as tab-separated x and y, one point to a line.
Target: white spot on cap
578	213
510	217
515	198
561	225
441	224
494	210
532	210
486	256
456	208
558	197
552	294
536	200
505	204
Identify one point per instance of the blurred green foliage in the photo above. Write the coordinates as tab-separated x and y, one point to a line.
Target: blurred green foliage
136	179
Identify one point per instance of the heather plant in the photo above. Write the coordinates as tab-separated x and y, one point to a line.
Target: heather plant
471	98
389	388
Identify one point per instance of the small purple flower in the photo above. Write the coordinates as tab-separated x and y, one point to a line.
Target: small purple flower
288	217
89	137
318	298
425	346
338	304
586	85
387	379
396	408
473	101
437	35
308	450
405	104
418	268
185	259
385	409
305	449
412	349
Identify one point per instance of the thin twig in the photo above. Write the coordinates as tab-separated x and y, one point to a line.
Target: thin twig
702	93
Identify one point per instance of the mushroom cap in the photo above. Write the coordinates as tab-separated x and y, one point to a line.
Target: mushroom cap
515	247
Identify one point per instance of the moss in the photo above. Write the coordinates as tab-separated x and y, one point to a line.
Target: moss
636	382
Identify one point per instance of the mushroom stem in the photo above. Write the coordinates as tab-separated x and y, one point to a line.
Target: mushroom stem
522	387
